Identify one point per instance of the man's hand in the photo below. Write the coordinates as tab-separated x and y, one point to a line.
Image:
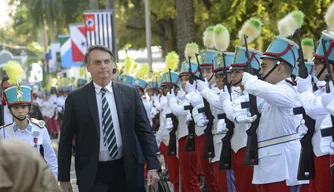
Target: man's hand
66	186
245	119
152	178
190	87
247	77
202	85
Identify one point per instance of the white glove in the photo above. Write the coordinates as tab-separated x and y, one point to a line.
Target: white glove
325	145
328	97
188	119
190	87
180	94
199	118
221	126
171	95
59	109
224	95
202	123
318	82
248	77
194	98
154	112
202	85
330	108
245	119
304	84
169	124
302	129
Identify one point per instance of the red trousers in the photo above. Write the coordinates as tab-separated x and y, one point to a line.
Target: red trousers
224	179
205	165
188	166
281	187
243	174
52	124
322	180
173	166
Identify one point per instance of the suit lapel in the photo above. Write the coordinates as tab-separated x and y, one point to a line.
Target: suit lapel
91	100
118	94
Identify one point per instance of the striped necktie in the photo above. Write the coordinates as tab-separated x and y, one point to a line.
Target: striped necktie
109	136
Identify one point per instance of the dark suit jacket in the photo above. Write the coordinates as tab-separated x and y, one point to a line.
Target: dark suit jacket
81	119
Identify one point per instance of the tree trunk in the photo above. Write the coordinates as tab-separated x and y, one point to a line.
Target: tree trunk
185	25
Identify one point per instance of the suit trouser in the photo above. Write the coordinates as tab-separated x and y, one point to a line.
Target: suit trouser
243	174
281	187
205	165
224	178
173	167
323	177
188	166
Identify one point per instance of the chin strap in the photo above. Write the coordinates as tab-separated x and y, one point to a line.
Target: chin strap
235	84
321	71
271	70
18	118
211	77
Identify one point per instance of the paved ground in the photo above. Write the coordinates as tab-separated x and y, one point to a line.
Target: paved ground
73	177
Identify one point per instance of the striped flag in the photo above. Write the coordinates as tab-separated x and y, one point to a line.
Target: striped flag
66	52
99	28
78	41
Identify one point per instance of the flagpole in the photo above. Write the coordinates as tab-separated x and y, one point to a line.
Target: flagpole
148	33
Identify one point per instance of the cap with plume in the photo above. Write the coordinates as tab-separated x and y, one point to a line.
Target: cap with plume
142	71
208	37
290	23
172	61
190	50
329	17
252	28
54	82
14	71
82	71
221	37
308	48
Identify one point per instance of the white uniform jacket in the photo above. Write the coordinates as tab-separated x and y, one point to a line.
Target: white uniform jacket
35	135
177	107
313	108
275	103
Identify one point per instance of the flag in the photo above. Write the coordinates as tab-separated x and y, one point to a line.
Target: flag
99	28
78	41
54	65
66	52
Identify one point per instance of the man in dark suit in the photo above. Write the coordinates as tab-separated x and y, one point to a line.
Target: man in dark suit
107	119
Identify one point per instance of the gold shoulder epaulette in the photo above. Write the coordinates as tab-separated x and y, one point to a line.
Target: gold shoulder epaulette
2	126
39	123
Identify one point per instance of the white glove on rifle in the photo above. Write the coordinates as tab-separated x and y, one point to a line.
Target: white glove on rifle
180	94
170	95
302	129
190	87
221	126
327	145
169	124
242	118
328	97
202	85
246	77
304	84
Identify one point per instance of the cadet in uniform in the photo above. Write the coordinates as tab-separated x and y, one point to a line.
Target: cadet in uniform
32	131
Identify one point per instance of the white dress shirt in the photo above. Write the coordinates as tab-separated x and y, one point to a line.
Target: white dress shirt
104	154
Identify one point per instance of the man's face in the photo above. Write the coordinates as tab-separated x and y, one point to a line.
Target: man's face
266	66
165	90
184	80
236	76
20	111
208	74
100	65
6	85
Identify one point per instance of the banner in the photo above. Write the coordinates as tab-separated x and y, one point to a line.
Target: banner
66	52
78	41
99	28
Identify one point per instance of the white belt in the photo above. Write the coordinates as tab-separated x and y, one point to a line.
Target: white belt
278	140
214	132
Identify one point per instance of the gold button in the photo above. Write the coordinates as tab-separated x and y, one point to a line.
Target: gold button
268	153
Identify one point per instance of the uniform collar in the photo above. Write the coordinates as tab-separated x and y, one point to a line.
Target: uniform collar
107	87
28	128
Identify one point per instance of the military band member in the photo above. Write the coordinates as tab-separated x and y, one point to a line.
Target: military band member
32	131
188	161
6	116
243	173
278	162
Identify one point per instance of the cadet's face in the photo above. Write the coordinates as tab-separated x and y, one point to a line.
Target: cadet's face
184	80
20	111
165	89
100	65
149	92
236	76
220	81
208	74
266	66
